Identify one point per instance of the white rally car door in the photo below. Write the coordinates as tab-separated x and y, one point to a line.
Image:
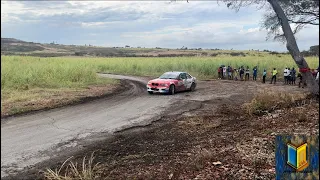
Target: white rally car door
181	83
188	81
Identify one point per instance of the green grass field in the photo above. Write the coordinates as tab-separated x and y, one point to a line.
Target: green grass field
20	73
30	80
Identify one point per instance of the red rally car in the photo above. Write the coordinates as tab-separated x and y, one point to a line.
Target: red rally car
172	82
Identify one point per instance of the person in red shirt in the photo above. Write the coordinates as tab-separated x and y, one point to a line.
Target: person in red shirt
314	73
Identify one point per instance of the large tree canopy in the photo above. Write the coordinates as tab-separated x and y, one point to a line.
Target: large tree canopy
298	12
286	12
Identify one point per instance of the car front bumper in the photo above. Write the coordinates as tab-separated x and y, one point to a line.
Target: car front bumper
158	89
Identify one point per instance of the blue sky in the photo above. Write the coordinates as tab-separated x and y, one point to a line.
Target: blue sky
204	24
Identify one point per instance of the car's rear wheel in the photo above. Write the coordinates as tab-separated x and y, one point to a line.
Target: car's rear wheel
172	90
193	87
150	92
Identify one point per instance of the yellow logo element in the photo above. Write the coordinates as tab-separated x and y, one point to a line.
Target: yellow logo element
297	156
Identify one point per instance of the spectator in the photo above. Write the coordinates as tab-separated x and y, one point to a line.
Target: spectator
219	72
288	76
285	71
274	76
241	74
264	76
314	73
247	76
255	71
235	71
300	80
293	76
227	72
224	71
230	73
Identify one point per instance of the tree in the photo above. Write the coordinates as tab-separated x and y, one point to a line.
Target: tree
291	43
293	47
314	50
283	21
298	12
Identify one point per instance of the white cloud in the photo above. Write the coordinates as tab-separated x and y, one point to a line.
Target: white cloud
144	23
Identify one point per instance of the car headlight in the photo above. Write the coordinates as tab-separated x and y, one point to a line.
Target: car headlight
164	85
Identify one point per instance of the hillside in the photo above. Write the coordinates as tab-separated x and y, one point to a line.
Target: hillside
11	46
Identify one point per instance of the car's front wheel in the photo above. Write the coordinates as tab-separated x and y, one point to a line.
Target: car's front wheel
172	90
193	87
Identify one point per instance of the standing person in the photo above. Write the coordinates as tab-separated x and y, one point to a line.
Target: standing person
241	74
224	71
288	76
264	74
228	72
255	71
285	75
293	76
300	80
235	74
314	73
247	76
219	72
231	73
274	75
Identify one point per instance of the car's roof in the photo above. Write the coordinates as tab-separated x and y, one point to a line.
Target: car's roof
175	72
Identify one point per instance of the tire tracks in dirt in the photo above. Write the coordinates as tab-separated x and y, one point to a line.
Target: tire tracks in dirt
33	138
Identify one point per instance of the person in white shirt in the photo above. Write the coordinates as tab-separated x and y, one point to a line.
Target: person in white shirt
224	70
288	76
285	75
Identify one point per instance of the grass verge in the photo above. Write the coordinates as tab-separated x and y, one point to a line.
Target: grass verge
266	102
86	171
30	83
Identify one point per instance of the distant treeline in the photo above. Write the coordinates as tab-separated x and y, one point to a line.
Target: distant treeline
313	51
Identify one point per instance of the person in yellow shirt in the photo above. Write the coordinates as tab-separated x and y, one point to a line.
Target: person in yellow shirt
274	75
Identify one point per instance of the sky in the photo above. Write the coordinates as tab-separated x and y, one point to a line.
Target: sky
197	24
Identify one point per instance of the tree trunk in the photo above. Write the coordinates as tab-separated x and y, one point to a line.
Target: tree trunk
293	47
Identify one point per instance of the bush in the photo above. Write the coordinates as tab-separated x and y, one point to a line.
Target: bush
86	171
237	54
266	102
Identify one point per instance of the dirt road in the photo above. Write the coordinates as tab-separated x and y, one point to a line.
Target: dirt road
29	139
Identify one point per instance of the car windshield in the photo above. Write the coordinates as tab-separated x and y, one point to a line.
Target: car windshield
168	76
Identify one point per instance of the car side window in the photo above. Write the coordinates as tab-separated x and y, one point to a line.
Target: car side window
183	76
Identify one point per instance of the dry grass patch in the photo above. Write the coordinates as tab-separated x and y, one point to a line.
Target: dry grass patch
15	102
267	101
86	171
198	123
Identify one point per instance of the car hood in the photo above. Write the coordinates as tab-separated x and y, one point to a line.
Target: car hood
162	80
